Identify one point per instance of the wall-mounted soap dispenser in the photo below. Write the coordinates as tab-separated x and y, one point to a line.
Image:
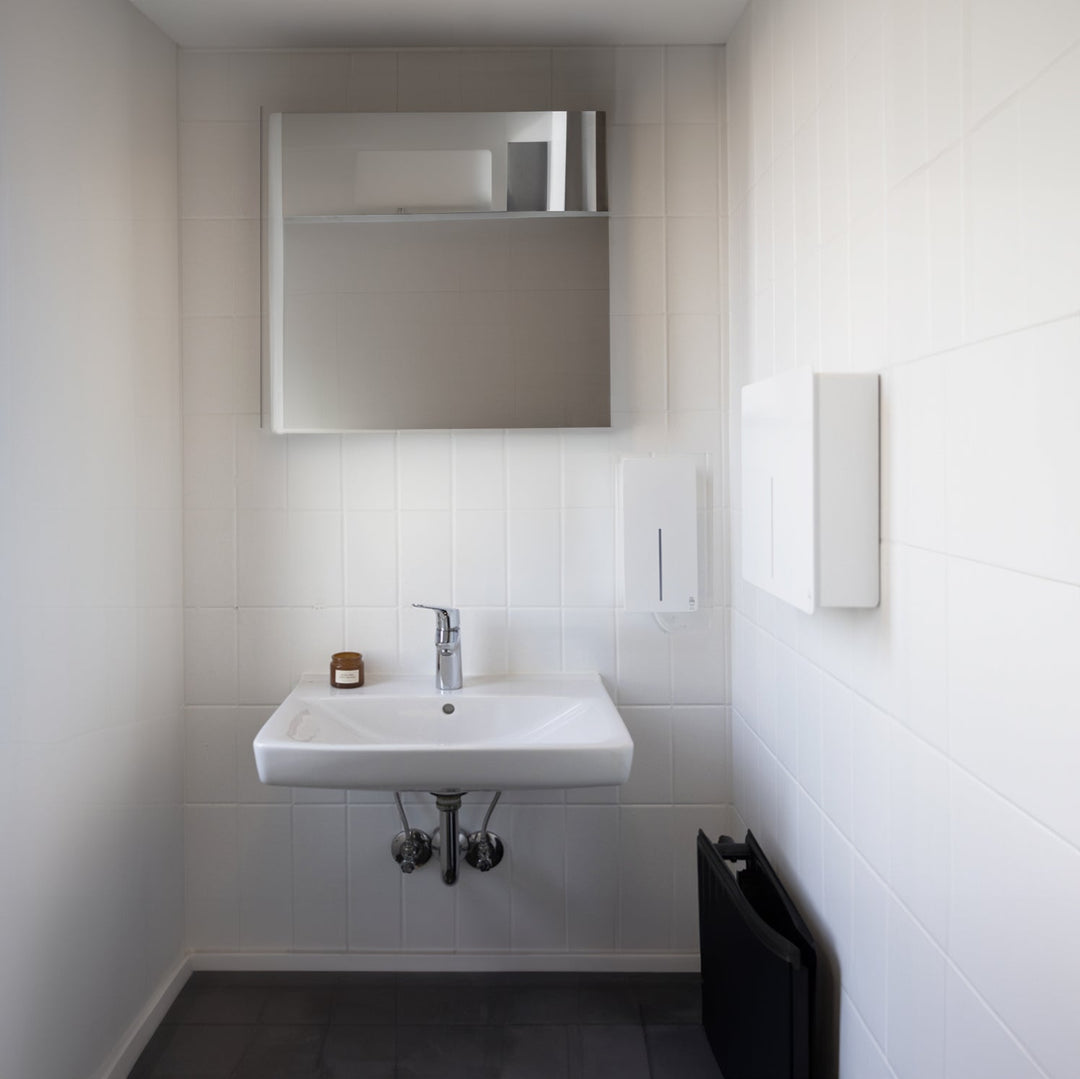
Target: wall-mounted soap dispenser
810	533
660	534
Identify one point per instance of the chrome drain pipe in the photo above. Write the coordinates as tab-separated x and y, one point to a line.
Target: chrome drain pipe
449	849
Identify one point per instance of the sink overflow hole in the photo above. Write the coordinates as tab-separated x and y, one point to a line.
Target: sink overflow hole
448	709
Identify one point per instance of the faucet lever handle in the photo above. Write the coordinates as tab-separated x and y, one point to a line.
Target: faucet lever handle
447	621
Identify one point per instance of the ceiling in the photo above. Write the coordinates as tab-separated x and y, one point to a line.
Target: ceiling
414	23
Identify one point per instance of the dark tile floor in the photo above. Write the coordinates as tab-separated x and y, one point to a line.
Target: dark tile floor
443	1026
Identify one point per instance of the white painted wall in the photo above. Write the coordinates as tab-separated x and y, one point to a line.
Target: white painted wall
298	546
91	843
903	194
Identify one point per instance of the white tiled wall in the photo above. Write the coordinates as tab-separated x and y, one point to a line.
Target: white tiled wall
903	182
91	739
298	546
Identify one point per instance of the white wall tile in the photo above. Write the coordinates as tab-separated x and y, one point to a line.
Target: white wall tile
701	770
859	1053
313	472
219	170
591	877
210	558
637	363
532	471
638	86
1030	383
698	663
371	559
480	557
691	85
976	1041
1012	712
637	170
424	570
479	470
264	834
644	666
213	903
209	476
867	981
423	463
646	878
693	351
993	252
1006	52
210	656
588	557
210	755
373	631
583	78
533	562
263	653
919	798
320	878
538	896
375	880
1037	995
691	159
650	779
534	642
373	82
369	471
693	285
637	262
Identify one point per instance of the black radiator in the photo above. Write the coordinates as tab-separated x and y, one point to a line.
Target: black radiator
757	965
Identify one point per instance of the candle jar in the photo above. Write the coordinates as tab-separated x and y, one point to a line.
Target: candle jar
346	670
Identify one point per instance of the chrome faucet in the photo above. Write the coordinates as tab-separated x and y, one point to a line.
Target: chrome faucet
447	646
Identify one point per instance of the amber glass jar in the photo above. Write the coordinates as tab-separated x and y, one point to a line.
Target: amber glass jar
346	670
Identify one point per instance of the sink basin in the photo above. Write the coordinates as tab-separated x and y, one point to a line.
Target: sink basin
403	734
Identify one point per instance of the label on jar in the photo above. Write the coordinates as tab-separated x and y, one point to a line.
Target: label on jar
347	678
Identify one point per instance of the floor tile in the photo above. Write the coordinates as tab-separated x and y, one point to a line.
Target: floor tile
303	1005
680	1052
359	1052
608	1052
371	1005
447	1052
534	1052
670	1002
523	1004
235	1005
282	1052
206	1052
445	1005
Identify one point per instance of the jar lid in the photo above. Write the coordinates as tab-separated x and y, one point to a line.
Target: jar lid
346	657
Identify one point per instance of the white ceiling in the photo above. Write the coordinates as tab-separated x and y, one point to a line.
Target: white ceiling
411	23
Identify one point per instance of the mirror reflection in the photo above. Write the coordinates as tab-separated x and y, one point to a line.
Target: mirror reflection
437	271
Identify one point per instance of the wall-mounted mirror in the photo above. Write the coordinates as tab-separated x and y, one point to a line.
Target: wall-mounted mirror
437	270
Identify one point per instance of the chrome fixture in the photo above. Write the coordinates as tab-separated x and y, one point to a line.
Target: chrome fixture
410	847
449	849
447	646
485	850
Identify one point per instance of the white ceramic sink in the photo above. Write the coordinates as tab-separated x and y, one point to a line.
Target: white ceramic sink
403	734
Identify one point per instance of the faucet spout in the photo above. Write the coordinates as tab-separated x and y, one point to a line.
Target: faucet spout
447	646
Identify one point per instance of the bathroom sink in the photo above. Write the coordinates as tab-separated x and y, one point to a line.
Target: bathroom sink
403	734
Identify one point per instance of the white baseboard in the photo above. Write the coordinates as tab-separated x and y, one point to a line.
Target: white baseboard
449	962
146	1022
